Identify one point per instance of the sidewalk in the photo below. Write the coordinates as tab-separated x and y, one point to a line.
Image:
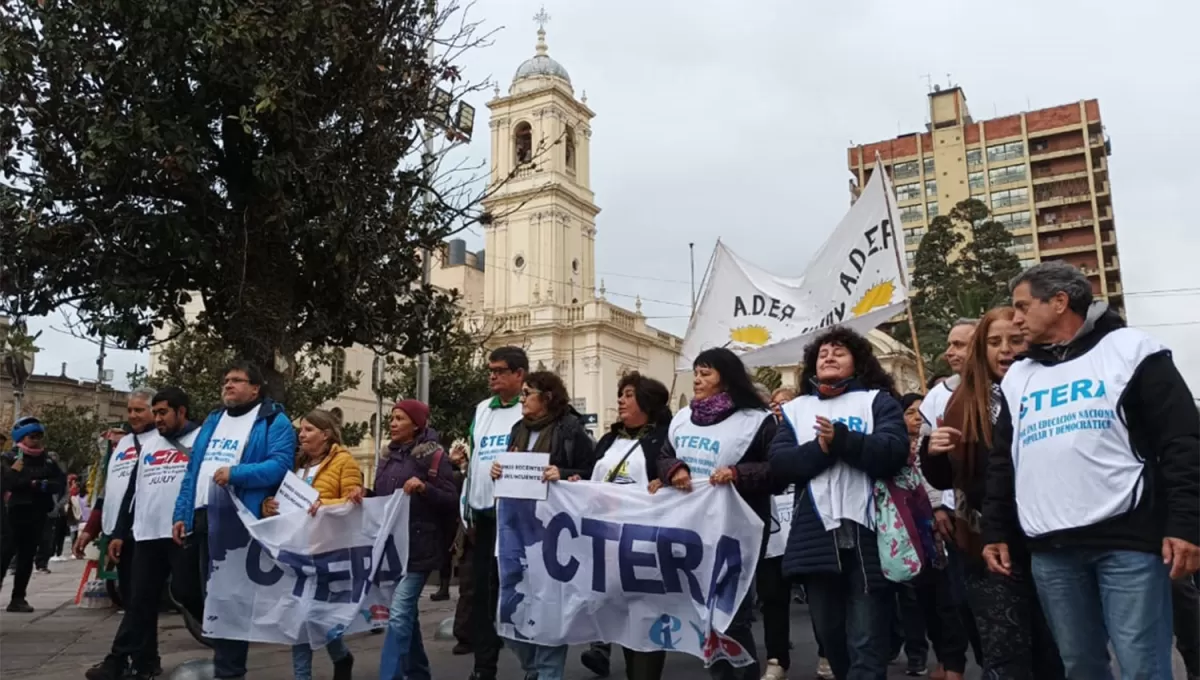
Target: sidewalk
59	640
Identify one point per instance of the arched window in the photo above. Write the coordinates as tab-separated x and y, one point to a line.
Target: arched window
570	146
523	140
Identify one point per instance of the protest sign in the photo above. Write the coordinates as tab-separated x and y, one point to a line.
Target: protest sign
293	579
609	562
294	495
781	524
521	475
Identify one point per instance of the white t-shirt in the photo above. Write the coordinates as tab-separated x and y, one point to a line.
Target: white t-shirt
492	430
160	475
225	449
632	471
704	448
121	463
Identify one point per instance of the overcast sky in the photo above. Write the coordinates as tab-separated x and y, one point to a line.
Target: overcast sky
713	122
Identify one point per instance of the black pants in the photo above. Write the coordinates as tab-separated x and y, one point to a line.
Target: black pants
466	593
908	626
775	600
942	614
740	630
45	548
137	636
486	577
1185	606
26	528
1017	643
638	665
61	530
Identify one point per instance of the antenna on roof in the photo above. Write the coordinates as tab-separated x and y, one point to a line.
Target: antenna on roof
928	82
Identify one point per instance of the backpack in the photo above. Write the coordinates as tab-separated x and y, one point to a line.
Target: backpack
903	526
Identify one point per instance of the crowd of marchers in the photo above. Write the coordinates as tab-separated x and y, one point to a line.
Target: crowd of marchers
1050	486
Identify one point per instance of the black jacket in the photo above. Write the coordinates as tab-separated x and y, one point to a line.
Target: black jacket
652	443
573	451
38	483
1164	432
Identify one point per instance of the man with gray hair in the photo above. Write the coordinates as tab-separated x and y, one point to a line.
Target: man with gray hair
1095	461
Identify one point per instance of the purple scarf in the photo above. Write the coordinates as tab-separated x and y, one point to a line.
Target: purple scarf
712	409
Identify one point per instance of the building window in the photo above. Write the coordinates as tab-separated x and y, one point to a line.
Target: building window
975	180
931	209
906	192
912	213
974	157
519	262
523	142
1008	175
1026	263
931	188
570	147
1005	152
905	170
928	166
337	367
1021	244
1004	199
912	237
1053	239
909	258
1016	220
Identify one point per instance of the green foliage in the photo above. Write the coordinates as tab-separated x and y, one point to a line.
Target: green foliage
354	433
961	270
196	362
263	156
458	381
71	432
768	377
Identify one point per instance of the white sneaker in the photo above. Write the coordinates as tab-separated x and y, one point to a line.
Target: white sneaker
58	559
824	672
774	671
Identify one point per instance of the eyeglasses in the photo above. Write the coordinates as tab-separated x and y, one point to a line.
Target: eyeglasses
499	371
527	393
234	381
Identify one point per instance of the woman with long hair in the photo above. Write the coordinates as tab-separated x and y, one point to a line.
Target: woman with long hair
727	409
550	425
328	466
843	432
415	464
628	454
1016	639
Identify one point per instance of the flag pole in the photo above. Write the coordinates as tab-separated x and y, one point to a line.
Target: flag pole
703	280
912	322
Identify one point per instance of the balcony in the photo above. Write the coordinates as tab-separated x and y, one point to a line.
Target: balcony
1106	213
1061	193
913	239
1054	151
1048	176
1108	238
1089	271
1114	288
1102	188
1048	226
1058	249
1112	264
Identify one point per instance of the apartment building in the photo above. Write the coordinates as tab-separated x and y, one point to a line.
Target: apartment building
1043	174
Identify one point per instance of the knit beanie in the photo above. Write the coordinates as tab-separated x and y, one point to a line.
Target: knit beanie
416	411
29	425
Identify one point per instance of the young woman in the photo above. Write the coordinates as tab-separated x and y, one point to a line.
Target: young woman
328	467
415	464
726	408
1016	639
548	425
628	454
844	431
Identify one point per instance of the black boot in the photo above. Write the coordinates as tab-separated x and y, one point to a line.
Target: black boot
19	607
442	594
109	669
342	670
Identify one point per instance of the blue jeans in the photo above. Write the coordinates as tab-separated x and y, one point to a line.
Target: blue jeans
852	624
302	657
1092	597
547	662
229	658
403	651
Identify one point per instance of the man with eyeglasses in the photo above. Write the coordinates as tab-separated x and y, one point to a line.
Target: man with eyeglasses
490	429
248	446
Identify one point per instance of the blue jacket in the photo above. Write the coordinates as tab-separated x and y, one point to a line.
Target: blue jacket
881	454
268	456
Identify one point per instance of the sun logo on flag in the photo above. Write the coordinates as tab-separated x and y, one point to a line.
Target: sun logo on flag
879	295
750	335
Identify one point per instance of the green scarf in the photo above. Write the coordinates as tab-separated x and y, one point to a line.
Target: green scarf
545	425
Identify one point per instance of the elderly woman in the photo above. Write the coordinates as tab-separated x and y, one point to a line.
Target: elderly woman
844	431
328	466
416	465
548	425
726	409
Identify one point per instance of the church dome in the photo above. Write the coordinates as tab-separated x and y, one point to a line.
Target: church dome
541	64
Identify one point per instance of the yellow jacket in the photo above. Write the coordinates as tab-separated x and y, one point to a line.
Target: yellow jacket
339	474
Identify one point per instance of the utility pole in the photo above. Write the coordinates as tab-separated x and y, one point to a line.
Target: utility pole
426	254
692	256
99	378
377	376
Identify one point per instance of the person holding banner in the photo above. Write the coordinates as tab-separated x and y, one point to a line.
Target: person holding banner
844	431
724	435
548	425
415	464
329	467
248	444
628	454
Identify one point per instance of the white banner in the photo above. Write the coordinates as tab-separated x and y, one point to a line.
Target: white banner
781	524
608	562
854	280
293	579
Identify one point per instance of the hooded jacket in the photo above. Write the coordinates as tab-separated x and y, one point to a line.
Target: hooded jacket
427	528
37	484
1164	433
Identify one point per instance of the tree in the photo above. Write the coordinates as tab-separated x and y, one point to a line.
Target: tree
196	361
459	380
262	156
768	377
72	433
961	270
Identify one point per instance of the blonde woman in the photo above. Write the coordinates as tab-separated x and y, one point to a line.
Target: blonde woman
323	462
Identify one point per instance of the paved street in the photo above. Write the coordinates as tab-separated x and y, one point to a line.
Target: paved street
60	640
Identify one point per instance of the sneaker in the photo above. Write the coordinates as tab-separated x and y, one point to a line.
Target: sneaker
461	649
774	671
824	672
57	558
441	595
44	570
481	675
916	668
19	607
596	662
109	669
342	669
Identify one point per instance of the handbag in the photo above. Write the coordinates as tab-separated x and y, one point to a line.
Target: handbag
904	526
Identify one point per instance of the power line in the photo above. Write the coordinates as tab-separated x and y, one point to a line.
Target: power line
1192	290
606	291
1168	324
